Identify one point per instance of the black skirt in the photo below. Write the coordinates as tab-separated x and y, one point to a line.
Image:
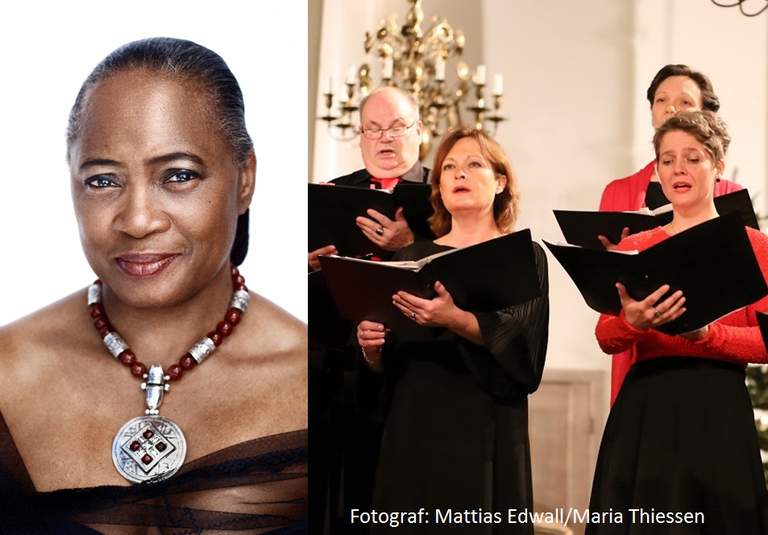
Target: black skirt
679	454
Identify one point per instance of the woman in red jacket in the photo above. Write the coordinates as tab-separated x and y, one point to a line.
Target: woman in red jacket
680	437
675	88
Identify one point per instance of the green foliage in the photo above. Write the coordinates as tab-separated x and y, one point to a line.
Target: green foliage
757	385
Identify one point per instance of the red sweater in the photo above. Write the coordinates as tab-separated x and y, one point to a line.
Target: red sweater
629	194
735	338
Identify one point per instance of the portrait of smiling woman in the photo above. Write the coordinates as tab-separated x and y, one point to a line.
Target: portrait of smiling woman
165	394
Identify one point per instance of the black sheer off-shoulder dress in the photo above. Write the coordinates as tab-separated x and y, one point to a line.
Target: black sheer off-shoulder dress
456	433
255	487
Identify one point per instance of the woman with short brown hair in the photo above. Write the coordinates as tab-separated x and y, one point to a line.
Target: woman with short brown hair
680	437
456	435
674	88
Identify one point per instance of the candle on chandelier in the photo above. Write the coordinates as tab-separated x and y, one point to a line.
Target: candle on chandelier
498	84
479	77
352	74
330	85
440	69
388	69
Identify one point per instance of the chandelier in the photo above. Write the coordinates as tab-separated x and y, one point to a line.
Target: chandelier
417	61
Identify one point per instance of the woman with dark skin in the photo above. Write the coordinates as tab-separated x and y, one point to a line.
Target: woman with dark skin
161	170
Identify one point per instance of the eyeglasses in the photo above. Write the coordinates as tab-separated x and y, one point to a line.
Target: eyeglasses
375	132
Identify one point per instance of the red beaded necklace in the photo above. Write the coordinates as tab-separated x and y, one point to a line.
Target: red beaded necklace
223	329
152	447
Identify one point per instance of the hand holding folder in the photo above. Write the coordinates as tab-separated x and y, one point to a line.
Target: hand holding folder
712	263
655	310
388	234
483	277
334	209
436	312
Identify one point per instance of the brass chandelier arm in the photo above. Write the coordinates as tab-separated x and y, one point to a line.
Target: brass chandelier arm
741	3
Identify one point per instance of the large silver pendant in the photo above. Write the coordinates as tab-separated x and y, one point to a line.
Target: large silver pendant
151	447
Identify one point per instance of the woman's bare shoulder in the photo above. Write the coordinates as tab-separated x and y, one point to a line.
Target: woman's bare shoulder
31	347
276	330
273	348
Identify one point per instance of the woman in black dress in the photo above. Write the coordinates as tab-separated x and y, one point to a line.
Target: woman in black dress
456	435
679	453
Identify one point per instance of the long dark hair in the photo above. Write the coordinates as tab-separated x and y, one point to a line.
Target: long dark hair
186	60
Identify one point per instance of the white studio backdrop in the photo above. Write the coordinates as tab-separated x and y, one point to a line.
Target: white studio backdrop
47	50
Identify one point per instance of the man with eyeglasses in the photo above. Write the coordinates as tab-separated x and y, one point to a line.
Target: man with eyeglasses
347	430
390	135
